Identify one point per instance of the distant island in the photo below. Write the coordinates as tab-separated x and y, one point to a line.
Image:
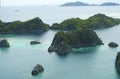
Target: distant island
78	3
109	4
75	4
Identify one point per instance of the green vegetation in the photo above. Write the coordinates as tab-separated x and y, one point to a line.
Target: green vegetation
2	27
63	48
74	39
95	22
69	24
33	26
101	21
36	26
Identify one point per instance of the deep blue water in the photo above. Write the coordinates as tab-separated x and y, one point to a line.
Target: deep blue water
97	62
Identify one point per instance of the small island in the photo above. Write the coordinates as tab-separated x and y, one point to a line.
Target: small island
4	43
113	44
97	21
63	42
35	42
37	69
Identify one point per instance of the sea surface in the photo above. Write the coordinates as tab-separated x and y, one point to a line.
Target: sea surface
18	61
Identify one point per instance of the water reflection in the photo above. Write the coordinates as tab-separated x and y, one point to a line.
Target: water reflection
37	76
61	56
85	50
4	49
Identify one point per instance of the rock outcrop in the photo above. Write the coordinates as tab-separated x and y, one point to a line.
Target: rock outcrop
63	42
63	48
117	62
4	43
35	42
113	44
37	69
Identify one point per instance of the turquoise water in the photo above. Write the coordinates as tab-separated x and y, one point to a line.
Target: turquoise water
97	62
